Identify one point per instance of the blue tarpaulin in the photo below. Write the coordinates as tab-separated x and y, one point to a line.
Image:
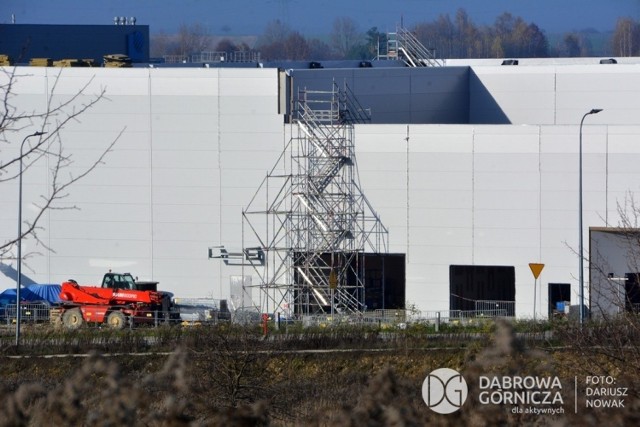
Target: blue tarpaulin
49	293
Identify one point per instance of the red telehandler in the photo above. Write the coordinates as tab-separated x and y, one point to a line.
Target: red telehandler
121	301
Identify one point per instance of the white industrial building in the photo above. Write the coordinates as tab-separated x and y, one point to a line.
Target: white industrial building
467	165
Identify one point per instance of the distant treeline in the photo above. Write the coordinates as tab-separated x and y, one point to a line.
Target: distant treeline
457	37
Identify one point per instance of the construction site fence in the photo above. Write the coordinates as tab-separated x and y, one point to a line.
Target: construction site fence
38	313
460	316
402	318
29	313
42	313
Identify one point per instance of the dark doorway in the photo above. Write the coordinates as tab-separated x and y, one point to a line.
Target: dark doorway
469	284
384	281
558	293
632	292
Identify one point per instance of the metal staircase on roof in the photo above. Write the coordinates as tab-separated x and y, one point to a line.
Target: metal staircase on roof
404	46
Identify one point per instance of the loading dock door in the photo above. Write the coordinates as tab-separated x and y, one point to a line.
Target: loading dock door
469	284
385	281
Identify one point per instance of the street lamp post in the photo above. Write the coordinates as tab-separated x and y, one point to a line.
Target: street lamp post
581	244
19	260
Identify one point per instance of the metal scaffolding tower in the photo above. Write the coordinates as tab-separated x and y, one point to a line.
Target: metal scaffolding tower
316	225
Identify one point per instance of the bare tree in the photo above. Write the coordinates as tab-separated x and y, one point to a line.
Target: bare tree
296	47
510	36
193	39
275	32
48	148
345	36
162	43
626	38
272	42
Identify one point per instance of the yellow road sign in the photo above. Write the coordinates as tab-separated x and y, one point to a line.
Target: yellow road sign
536	269
333	279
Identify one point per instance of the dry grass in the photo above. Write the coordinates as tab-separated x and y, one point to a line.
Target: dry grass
230	376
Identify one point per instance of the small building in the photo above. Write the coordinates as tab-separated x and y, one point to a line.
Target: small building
23	42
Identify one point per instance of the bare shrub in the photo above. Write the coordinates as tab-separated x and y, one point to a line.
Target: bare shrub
231	375
97	394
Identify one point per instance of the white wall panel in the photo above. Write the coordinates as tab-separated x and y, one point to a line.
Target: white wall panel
204	107
440	180
438	162
115	81
513	200
95	125
254	160
26	81
507	219
184	159
170	213
208	178
198	143
251	139
444	236
103	211
454	218
243	178
104	248
183	127
180	82
389	180
438	199
436	258
105	230
248	106
510	236
505	180
192	195
238	123
180	232
385	163
506	139
565	217
240	81
194	140
136	107
180	249
121	194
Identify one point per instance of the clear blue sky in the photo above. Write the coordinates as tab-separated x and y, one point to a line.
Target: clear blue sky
314	17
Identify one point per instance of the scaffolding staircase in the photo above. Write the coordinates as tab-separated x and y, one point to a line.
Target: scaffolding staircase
319	224
404	46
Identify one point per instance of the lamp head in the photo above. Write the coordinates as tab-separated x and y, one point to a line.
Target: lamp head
595	111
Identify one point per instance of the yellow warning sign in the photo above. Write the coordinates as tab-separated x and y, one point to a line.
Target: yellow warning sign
536	269
333	279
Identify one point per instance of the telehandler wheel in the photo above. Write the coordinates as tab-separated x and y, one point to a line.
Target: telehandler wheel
72	318
116	320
